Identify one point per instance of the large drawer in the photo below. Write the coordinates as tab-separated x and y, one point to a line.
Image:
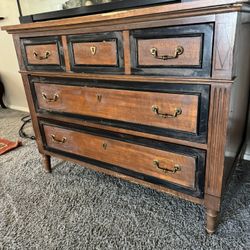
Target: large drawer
176	51
181	167
97	52
43	53
181	111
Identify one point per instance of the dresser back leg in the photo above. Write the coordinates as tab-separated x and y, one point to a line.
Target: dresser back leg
46	163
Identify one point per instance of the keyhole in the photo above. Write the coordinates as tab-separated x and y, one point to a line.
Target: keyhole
99	97
104	145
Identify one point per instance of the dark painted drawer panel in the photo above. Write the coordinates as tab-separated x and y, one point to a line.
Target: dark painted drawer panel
180	167
43	53
174	51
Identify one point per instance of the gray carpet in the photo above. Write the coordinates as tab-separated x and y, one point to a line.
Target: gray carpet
75	208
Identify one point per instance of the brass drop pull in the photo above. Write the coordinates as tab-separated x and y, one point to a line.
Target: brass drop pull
39	57
47	99
175	169
178	51
177	111
93	50
58	141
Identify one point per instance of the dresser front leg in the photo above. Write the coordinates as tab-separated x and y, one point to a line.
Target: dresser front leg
46	163
212	220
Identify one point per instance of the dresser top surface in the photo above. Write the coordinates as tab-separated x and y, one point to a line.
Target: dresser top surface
187	6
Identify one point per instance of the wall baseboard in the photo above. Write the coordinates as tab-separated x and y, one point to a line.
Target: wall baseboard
19	108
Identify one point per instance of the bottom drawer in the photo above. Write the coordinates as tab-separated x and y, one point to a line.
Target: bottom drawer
165	164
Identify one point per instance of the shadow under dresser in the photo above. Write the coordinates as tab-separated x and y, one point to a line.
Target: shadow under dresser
157	95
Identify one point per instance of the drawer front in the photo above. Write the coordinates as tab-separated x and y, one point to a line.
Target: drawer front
179	111
173	111
98	53
161	49
172	167
180	51
43	53
102	52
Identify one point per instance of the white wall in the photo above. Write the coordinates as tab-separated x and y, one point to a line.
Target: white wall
39	6
14	96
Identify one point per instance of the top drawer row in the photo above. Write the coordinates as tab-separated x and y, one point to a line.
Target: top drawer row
177	51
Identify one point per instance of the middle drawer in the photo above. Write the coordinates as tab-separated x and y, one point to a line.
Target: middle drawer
153	111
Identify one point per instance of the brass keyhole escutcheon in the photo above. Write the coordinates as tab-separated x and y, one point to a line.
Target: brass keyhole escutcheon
93	50
99	97
104	145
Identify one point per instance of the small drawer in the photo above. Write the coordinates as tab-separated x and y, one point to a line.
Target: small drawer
97	54
184	169
174	113
43	53
180	51
102	52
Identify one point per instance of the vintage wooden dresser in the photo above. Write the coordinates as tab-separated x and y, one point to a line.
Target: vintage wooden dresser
157	96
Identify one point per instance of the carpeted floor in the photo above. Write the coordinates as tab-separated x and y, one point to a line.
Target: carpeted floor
75	208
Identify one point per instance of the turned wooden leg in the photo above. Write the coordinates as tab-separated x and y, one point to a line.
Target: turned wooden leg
46	163
212	220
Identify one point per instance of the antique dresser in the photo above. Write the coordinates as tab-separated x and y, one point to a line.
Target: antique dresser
154	95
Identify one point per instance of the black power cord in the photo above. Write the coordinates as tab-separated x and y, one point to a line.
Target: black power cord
22	134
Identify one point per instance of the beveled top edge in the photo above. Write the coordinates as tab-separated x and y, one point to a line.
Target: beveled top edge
123	14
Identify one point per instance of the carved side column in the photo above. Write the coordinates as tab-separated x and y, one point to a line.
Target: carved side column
218	119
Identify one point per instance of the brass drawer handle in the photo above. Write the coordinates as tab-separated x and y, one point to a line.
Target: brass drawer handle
175	169
47	99
58	141
178	51
155	109
93	50
39	57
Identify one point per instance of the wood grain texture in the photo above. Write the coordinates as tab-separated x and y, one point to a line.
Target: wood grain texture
129	178
46	163
127	57
105	53
129	78
239	99
16	39
41	51
167	46
66	53
218	120
124	25
133	157
123	105
120	130
225	31
33	113
212	220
